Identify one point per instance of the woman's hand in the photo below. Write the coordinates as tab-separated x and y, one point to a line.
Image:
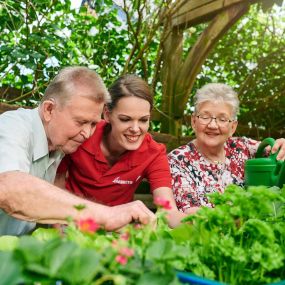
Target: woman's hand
279	144
192	210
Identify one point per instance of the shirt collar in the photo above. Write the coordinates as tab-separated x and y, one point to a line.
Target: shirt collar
92	145
40	148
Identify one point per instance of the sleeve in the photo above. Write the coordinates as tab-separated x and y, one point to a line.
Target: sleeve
188	179
176	171
158	172
251	145
15	151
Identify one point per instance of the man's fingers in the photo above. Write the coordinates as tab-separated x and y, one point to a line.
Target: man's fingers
120	216
142	214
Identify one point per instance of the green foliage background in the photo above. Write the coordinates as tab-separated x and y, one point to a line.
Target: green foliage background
38	37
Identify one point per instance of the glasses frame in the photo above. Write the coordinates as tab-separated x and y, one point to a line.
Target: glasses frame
228	121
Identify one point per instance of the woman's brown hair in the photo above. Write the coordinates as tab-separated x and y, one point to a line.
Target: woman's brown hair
129	85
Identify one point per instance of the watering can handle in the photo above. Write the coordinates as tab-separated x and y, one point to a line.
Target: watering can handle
278	175
263	145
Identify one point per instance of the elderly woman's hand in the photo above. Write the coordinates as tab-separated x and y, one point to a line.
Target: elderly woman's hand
279	144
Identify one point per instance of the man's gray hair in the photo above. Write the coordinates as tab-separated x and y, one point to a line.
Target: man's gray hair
217	92
75	80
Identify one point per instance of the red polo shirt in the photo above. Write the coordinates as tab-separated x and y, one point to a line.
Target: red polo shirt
90	175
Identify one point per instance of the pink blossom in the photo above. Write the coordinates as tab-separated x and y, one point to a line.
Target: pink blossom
121	259
87	225
161	202
126	251
137	226
125	236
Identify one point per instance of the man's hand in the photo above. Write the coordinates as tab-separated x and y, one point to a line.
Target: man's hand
119	216
29	198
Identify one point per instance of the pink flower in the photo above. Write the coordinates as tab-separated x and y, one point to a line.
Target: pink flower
126	251
137	226
125	236
121	259
87	225
161	202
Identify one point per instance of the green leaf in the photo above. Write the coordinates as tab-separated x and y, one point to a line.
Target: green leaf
30	249
45	234
81	266
157	278
8	243
59	253
182	232
10	269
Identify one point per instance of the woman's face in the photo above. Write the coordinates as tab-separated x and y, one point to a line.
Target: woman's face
129	120
213	134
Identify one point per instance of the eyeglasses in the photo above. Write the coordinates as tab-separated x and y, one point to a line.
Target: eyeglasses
205	119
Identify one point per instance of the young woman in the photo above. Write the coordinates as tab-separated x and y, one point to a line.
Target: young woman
110	165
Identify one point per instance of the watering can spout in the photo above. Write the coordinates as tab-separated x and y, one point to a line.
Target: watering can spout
267	171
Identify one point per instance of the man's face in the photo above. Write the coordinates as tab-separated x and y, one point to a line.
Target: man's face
68	126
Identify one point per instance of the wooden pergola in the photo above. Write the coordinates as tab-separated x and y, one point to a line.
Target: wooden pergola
178	74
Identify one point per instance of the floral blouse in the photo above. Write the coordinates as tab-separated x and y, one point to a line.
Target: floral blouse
193	176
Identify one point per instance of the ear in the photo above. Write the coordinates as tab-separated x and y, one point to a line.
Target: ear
47	108
193	121
233	127
106	114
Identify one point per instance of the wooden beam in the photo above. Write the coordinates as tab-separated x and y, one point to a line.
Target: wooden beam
195	12
199	52
188	6
173	49
6	107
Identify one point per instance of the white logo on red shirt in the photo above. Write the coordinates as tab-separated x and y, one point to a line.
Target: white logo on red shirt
120	181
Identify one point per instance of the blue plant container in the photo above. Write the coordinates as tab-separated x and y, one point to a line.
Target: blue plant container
192	279
189	278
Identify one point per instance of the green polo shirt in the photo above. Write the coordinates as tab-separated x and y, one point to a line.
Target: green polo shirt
24	147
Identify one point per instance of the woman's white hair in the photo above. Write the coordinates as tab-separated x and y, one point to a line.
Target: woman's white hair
217	92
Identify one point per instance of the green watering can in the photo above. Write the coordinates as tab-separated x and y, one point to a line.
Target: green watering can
265	171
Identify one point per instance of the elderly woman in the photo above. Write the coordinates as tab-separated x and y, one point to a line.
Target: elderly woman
214	159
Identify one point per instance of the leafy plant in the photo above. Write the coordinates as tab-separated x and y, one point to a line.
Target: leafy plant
85	255
240	241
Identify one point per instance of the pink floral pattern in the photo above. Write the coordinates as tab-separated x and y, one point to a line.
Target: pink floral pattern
193	176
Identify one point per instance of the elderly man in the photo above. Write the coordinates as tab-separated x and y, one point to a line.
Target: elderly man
33	143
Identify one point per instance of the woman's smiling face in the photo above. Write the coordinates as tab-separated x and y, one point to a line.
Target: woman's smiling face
129	121
213	134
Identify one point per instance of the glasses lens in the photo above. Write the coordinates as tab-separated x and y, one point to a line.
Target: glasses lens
223	122
206	119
